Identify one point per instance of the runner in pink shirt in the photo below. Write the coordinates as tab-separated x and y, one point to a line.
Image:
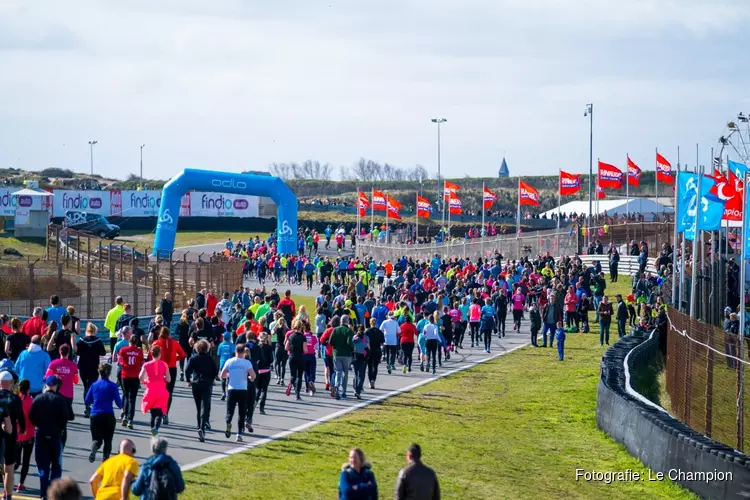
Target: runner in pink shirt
518	300
475	315
309	359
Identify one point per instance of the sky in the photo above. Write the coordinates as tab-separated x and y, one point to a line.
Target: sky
234	85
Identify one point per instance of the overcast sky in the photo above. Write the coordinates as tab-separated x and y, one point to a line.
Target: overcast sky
234	84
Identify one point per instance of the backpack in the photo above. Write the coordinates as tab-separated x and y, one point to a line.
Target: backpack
161	486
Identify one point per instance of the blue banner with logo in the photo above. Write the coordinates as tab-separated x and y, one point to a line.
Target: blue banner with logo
711	207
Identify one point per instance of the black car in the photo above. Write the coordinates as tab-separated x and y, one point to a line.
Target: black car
91	223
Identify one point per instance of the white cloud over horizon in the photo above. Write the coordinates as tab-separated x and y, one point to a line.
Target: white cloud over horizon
230	85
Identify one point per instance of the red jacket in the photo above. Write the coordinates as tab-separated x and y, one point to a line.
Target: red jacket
211	301
171	352
34	326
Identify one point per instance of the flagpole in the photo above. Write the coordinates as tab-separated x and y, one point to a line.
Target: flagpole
518	219
358	215
696	237
656	182
481	231
559	195
627	184
598	187
743	277
682	249
442	219
416	237
674	241
450	198
372	211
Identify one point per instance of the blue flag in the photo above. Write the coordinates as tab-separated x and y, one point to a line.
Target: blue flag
739	169
711	207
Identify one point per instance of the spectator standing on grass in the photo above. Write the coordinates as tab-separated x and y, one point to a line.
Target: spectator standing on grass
168	481
605	319
560	337
357	482
621	315
110	322
416	481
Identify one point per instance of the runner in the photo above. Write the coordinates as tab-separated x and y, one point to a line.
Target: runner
296	345
130	359
100	397
171	352
391	330
407	335
431	338
264	370
376	339
201	371
90	351
310	362
25	444
155	377
237	371
359	349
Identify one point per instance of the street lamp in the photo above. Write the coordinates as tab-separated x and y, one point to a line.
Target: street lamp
140	184
440	194
91	147
590	113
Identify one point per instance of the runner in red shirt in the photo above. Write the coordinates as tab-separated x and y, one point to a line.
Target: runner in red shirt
130	359
35	325
407	334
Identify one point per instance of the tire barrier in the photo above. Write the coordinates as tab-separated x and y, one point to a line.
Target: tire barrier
652	435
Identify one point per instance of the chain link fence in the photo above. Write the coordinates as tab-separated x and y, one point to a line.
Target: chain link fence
89	273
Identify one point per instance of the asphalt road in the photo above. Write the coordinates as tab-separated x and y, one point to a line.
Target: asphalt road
283	416
193	251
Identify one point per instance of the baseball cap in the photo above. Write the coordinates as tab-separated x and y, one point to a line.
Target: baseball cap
6	377
51	380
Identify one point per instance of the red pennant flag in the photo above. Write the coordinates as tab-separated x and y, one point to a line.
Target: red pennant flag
378	200
454	204
424	209
609	176
528	194
569	183
393	207
363	204
729	189
634	173
600	193
488	198
450	188
664	170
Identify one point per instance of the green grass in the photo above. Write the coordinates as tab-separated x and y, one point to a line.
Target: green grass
33	248
516	427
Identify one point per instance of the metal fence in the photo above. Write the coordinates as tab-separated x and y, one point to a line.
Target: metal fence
531	244
705	379
89	273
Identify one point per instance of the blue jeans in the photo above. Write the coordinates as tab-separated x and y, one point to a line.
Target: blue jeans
603	333
621	327
48	456
341	365
551	328
561	349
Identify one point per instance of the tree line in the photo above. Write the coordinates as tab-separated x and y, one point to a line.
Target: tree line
363	170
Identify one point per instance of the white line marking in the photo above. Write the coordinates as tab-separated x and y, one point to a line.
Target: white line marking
341	412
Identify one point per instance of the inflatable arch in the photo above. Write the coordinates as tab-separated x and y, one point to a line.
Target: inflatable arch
207	180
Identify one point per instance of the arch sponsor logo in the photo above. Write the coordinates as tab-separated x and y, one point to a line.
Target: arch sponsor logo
220	204
142	202
228	184
81	202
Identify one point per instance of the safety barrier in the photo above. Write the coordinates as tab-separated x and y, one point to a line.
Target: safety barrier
652	435
628	265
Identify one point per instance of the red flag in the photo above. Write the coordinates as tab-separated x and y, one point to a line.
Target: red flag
664	170
378	200
454	204
528	194
569	183
488	198
634	173
450	188
363	204
729	189
600	193
424	209
393	207
609	176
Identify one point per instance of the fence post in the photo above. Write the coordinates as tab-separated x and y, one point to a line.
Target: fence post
154	285
31	286
184	277
78	255
57	245
89	292
100	259
709	382
134	281
171	273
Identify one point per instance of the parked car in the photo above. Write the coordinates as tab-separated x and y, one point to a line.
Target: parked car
91	223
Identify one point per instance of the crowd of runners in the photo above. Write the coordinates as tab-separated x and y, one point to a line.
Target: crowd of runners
368	317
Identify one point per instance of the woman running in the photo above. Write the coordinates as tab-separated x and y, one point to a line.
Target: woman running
67	371
518	300
280	355
329	372
201	371
310	361
25	443
475	315
432	338
100	397
296	345
90	350
359	350
407	335
171	352
130	359
488	323
183	334
155	376
264	370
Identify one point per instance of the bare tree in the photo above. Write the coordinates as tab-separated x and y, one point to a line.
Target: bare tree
282	170
418	174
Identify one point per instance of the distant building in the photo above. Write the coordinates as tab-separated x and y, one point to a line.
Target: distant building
503	172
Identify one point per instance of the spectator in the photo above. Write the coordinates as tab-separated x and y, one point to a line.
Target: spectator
357	480
169	476
416	481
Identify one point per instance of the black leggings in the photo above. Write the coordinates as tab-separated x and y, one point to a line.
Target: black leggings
262	382
170	386
88	380
487	339
372	364
572	319
432	349
517	315
474	325
279	363
390	355
102	427
408	348
23	458
236	397
500	327
156	417
202	398
251	398
297	370
130	388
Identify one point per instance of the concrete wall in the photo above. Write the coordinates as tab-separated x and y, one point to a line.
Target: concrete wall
656	438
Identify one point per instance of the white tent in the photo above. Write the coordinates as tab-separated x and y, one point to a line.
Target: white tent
644	206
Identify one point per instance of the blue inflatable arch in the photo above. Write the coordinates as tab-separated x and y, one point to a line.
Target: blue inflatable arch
248	184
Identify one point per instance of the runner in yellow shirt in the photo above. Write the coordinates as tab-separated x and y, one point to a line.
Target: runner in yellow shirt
113	478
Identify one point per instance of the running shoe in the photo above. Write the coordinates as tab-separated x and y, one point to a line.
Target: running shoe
298	398
154	432
223	397
333	392
249	427
404	370
92	456
389	370
312	389
201	436
328	386
372	385
239	438
421	367
130	425
182	376
262	411
357	395
228	432
434	371
343	396
165	420
20	488
124	421
288	389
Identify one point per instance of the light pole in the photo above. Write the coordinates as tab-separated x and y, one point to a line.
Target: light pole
91	147
590	113
140	184
440	194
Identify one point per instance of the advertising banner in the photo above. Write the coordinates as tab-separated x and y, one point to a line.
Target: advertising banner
93	202
7	202
222	205
140	203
